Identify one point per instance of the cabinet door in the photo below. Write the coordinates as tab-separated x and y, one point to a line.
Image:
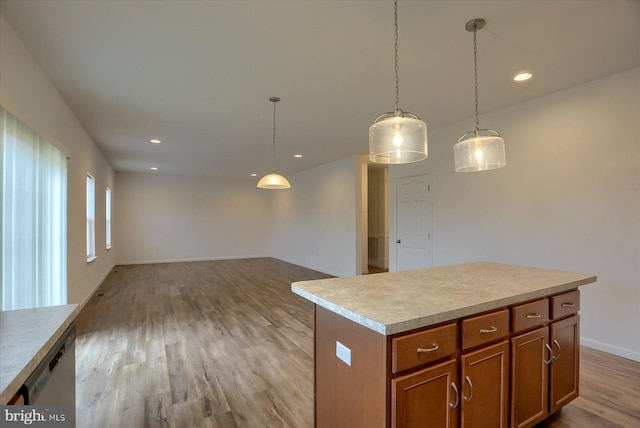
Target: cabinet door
484	384
427	398
529	377
565	342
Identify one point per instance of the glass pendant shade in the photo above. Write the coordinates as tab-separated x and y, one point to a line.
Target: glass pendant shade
273	181
479	152
480	149
397	138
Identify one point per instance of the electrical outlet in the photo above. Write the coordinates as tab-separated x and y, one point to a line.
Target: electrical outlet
343	353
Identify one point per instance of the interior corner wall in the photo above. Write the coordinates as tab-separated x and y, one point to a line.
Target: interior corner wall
171	218
568	199
40	105
314	223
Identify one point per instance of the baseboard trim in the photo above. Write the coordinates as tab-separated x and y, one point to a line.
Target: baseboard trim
95	289
611	349
194	259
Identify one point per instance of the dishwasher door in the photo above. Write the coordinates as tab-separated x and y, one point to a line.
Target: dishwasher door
53	382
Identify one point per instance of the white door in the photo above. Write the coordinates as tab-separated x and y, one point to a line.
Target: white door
413	222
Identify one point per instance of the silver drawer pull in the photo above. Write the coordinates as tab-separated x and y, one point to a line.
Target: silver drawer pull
434	347
555	357
467	399
493	329
567	305
455	389
533	315
547	362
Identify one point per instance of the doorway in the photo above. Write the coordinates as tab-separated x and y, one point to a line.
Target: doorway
377	218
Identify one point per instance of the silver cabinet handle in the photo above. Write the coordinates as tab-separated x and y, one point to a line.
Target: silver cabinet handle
493	329
568	305
533	315
455	389
547	362
555	357
434	347
467	399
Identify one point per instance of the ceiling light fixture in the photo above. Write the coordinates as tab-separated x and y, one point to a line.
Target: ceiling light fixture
397	137
153	168
274	180
155	141
521	77
480	149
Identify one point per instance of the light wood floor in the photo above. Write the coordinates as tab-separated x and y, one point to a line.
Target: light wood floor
226	344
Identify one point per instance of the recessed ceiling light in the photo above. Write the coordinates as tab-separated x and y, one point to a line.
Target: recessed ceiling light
253	174
155	141
521	77
154	168
297	155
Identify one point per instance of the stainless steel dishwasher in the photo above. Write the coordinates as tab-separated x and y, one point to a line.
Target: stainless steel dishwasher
53	382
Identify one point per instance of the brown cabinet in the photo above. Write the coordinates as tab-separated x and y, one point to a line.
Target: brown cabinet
427	398
511	367
529	377
484	387
564	367
545	362
436	396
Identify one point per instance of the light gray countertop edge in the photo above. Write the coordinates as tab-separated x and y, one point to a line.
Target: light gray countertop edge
460	311
18	362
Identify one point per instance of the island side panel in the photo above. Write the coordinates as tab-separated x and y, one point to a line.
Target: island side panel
349	395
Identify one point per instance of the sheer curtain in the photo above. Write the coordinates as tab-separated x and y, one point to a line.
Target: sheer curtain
34	218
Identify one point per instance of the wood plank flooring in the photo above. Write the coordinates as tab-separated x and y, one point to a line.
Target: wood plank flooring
226	344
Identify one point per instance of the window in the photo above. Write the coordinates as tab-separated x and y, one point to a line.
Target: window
34	218
91	218
108	216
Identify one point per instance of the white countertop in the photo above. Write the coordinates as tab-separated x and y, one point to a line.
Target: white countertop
395	302
26	335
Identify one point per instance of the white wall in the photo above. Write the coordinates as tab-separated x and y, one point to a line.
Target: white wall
29	94
569	199
317	223
165	218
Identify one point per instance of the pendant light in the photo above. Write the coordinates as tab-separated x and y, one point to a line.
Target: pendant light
274	180
480	149
397	137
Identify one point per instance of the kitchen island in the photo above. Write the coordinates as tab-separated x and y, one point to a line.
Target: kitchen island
477	344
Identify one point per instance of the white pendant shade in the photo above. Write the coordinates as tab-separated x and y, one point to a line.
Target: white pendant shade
397	140
273	181
479	153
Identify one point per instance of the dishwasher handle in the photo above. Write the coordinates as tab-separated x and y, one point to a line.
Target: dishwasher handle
56	359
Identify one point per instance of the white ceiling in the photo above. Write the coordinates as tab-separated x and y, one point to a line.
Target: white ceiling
198	74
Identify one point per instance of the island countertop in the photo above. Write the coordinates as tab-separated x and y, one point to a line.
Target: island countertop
396	302
26	335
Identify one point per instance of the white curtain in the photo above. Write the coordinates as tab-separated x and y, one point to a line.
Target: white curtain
34	218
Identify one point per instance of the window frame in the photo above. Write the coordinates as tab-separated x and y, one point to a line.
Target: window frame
91	218
107	197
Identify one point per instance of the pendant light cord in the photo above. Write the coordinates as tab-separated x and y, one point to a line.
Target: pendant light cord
395	17
475	71
274	136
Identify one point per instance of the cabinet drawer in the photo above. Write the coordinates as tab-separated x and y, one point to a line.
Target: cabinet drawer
565	304
530	315
414	349
485	329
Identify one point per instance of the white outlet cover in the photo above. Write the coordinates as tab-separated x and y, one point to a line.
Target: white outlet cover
343	353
